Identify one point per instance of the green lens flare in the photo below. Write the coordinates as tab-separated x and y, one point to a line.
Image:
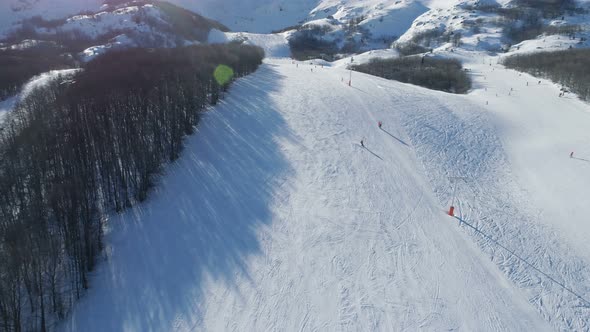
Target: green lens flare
223	74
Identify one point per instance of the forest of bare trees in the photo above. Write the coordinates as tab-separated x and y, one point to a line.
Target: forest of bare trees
570	68
77	149
429	72
18	66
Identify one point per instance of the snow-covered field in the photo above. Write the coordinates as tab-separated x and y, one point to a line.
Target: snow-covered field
276	218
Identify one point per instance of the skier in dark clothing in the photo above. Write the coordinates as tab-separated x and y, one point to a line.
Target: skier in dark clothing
379	124
362	143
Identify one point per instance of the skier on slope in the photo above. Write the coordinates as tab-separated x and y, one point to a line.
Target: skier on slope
379	124
572	154
362	143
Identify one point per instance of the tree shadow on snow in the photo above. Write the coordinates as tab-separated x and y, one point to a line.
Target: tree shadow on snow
202	219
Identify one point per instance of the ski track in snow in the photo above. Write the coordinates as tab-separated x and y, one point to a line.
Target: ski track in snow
382	284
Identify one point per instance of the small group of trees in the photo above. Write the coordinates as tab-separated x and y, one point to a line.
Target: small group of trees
518	9
424	41
570	68
523	19
411	48
421	42
311	41
353	24
549	8
308	42
433	73
79	148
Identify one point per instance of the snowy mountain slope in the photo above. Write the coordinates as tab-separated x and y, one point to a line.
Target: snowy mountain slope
263	16
539	130
514	181
482	30
381	18
304	229
259	16
12	11
133	24
433	23
274	45
544	42
380	21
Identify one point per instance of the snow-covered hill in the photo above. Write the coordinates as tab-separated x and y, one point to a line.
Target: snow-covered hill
277	218
133	24
13	11
478	25
353	25
247	16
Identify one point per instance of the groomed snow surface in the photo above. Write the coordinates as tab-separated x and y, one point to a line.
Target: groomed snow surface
276	218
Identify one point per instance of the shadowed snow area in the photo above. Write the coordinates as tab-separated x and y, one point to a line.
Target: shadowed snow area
276	218
201	220
6	106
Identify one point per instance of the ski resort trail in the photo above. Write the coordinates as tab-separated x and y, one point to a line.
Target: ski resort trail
276	218
539	130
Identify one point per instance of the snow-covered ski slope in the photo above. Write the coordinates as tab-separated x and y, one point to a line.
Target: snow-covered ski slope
275	217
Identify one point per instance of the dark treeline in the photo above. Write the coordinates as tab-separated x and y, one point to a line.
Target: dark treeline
423	42
313	41
524	19
570	68
79	148
18	66
433	73
309	43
